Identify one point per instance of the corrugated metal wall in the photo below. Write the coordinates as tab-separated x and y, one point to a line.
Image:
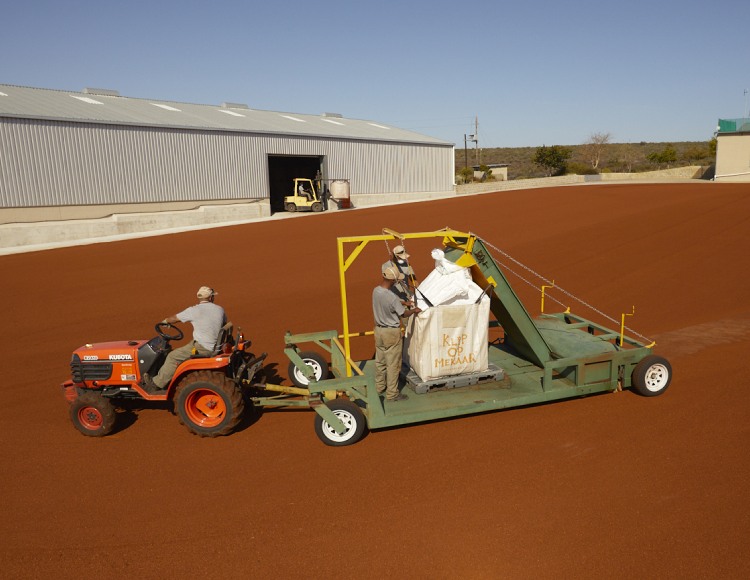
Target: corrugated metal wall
391	167
46	163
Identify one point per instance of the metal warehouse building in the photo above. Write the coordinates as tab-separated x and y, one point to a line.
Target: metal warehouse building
68	155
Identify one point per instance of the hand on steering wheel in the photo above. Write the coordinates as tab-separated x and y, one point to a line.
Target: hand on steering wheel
178	333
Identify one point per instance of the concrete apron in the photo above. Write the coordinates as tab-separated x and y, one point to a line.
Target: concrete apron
30	237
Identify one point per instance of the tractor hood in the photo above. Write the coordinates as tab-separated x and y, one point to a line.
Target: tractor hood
116	351
113	363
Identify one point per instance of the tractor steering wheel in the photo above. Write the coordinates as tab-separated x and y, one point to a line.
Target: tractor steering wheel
177	336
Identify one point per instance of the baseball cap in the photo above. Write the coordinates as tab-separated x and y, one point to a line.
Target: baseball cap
400	251
392	273
204	293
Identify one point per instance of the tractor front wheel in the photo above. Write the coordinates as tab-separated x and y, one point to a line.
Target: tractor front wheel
209	404
651	376
92	414
352	418
317	207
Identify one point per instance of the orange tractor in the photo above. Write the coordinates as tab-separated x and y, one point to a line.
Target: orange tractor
207	391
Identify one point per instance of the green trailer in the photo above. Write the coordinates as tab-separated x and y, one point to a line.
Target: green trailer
553	357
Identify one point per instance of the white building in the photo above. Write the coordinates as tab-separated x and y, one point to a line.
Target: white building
733	150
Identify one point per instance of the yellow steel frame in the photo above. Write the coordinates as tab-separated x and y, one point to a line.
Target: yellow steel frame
347	259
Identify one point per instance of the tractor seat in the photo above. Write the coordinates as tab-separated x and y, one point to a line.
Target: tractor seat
224	342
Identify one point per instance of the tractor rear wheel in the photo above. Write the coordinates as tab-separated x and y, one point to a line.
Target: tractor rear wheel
352	418
209	404
316	362
317	207
92	414
290	207
651	376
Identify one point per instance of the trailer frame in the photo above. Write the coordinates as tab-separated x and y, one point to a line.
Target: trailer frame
558	356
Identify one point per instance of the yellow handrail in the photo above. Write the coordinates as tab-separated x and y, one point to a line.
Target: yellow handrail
345	262
622	326
543	289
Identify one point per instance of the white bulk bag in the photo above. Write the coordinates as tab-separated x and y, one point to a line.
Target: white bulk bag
449	337
448	340
448	283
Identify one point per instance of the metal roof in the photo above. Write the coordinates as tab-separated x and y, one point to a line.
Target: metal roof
108	107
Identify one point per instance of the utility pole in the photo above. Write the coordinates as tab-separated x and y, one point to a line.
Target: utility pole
744	114
476	139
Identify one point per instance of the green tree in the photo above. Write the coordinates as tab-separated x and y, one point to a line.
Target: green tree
712	147
669	155
466	174
487	172
554	159
695	153
666	156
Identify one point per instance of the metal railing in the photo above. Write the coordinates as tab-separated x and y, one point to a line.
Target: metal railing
734	125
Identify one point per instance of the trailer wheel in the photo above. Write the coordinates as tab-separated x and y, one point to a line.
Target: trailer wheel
290	207
316	362
317	207
352	418
651	376
209	404
92	414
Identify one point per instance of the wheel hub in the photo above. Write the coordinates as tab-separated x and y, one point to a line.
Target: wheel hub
656	377
90	417
348	422
205	408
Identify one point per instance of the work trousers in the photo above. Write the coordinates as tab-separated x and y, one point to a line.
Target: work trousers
388	346
174	359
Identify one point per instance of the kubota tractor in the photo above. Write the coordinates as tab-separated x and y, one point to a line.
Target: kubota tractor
207	391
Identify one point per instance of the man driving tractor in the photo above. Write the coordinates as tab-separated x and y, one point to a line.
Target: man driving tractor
207	319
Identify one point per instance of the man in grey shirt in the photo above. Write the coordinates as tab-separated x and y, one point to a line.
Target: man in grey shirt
207	319
387	309
404	289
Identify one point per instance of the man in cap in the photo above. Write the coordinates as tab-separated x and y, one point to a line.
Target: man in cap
207	319
387	310
404	289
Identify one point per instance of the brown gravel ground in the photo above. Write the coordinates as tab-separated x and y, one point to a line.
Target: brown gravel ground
609	486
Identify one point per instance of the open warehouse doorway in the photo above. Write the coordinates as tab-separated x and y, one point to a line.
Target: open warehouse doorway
282	171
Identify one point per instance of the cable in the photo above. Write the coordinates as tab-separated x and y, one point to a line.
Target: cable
568	294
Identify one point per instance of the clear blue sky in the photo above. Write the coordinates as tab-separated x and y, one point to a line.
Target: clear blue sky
534	73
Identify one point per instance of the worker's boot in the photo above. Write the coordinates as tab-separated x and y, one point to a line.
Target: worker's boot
149	384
